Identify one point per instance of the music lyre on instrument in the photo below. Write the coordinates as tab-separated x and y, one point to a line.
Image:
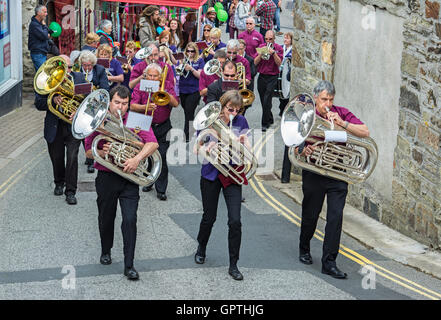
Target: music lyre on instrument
229	156
93	115
352	162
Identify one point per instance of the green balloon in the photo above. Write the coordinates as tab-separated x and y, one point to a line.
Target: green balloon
218	6
56	28
222	15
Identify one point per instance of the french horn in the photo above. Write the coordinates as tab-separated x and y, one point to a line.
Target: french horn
93	115
352	161
230	157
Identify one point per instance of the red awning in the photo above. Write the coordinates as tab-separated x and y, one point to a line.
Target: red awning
194	4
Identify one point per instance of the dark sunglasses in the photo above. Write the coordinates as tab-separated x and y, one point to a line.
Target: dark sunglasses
248	23
229	75
207	30
233	110
189	51
230	52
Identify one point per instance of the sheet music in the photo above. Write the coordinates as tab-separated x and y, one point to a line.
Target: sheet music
149	85
139	121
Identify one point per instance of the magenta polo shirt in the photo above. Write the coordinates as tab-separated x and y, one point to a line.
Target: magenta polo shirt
146	136
253	41
344	114
269	67
205	81
139	68
162	113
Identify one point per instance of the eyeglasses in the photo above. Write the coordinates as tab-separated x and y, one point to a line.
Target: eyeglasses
229	75
233	110
190	51
249	23
231	52
269	38
69	67
208	30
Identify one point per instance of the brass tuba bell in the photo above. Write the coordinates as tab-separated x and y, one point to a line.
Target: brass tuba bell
93	115
52	79
352	162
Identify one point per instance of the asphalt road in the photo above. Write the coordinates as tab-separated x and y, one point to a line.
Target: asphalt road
50	250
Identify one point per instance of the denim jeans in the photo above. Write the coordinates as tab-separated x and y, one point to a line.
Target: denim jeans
38	59
277	20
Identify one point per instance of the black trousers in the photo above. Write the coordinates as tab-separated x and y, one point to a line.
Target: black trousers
286	167
210	191
189	102
160	131
315	187
111	187
266	85
63	152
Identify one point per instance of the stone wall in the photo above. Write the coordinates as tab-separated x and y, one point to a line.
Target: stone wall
413	205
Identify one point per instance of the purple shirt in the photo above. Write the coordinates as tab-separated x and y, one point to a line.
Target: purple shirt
270	67
209	171
127	75
115	69
205	81
219	46
162	113
146	136
190	84
253	41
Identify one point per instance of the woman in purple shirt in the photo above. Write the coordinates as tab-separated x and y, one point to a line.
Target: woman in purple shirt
115	72
189	85
212	182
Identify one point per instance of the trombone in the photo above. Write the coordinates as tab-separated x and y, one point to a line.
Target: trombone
161	97
247	95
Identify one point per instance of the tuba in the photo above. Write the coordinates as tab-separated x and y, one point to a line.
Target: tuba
53	79
161	97
213	66
93	115
352	162
227	150
247	95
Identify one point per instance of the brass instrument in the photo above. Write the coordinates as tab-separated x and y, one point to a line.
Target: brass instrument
53	79
93	114
229	156
352	162
180	70
161	97
109	75
264	51
166	51
247	95
206	51
143	53
213	66
125	66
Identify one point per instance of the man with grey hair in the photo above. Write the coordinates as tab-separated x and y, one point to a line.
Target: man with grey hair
316	186
38	37
252	38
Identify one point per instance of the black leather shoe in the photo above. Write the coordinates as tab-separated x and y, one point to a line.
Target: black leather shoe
131	273
147	188
59	189
161	196
70	198
90	168
105	259
199	257
334	272
305	258
284	180
235	273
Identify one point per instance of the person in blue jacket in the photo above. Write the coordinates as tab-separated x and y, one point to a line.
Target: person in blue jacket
38	37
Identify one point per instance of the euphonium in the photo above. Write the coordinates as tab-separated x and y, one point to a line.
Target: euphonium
52	78
93	115
213	66
161	97
229	156
247	95
351	162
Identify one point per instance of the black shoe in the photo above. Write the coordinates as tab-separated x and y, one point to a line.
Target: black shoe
147	188
264	128
70	198
199	257
161	196
334	272
90	168
131	273
243	199
284	180
59	189
305	258
105	259
235	273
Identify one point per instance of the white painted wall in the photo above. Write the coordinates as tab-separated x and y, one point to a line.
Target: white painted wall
368	78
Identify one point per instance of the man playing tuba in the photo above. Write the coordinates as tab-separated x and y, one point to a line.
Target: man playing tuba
316	186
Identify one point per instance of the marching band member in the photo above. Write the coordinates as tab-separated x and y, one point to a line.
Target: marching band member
241	52
252	38
206	33
161	123
60	144
131	62
92	41
215	38
287	54
212	182
205	80
215	90
316	186
268	74
115	72
111	187
189	85
233	55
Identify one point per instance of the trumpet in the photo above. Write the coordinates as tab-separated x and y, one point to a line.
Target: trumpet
206	51
247	95
93	114
161	97
125	66
231	158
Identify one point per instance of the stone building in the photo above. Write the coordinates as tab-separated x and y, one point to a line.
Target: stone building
384	58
